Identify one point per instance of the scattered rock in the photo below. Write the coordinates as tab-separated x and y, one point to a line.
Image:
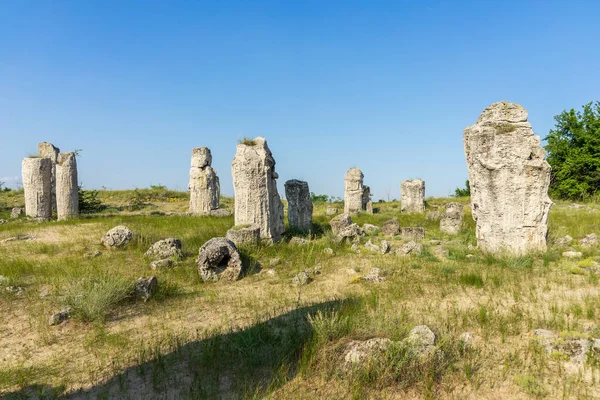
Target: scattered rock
466	339
329	251
358	351
274	262
16	212
18	238
60	316
117	237
220	212
572	254
421	339
4	281
451	223
370	229
374	275
301	279
331	211
145	287
351	233
589	240
219	259
339	223
298	241
162	264
384	247
244	235
413	233
353	191
165	248
93	254
410	248
564	241
391	227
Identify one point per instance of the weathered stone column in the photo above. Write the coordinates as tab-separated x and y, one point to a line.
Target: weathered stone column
413	196
353	191
509	179
452	220
257	200
367	204
67	195
204	183
37	187
48	150
300	207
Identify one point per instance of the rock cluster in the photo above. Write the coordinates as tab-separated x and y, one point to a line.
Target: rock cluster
509	179
257	200
413	196
300	207
204	183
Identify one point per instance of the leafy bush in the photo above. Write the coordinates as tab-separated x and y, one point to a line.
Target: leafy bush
574	153
319	197
92	300
89	203
466	192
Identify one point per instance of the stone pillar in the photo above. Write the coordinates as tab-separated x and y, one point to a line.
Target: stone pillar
48	150
300	207
353	191
67	194
452	220
367	204
413	196
204	183
37	187
257	200
509	179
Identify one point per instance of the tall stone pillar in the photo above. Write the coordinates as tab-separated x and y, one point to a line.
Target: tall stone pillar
353	191
67	194
300	207
48	150
413	196
204	186
37	187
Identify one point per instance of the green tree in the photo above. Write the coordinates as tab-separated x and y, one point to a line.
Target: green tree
573	148
466	192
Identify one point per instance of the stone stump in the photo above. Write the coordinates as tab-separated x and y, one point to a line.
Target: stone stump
204	183
452	220
413	196
219	259
353	191
48	150
509	179
300	207
257	200
244	235
67	193
37	187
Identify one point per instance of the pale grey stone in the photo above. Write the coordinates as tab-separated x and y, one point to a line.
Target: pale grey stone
162	264
204	185
564	241
117	237
301	279
409	249
358	351
339	223
351	233
413	233
254	181
589	240
509	179
374	275
37	187
331	211
16	212
572	254
219	259
413	196
67	187
244	235
146	287
353	191
165	248
370	229
451	223
300	207
220	212
391	227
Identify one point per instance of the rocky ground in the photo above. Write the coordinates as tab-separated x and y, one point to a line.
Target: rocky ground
384	313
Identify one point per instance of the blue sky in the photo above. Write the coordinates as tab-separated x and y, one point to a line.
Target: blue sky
384	86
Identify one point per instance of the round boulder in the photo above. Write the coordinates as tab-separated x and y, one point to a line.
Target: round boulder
117	237
244	234
166	248
219	259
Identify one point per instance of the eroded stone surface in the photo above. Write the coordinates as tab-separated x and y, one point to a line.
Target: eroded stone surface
353	191
391	227
300	206
244	235
204	185
165	248
219	259
413	196
67	186
48	150
146	287
413	233
37	187
16	212
117	237
451	223
254	181
509	179
340	222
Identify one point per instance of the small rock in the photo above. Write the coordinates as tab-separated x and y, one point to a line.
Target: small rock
357	351
45	290
165	248
372	246
355	248
298	241
370	229
469	256
162	264
339	223
145	287
18	238
60	316
413	233
410	248
572	254
391	227
274	262
421	335
117	237
18	290
94	254
589	240
17	212
351	233
384	247
331	211
220	212
3	221
374	275
219	259
466	339
329	251
301	279
317	269
4	280
564	241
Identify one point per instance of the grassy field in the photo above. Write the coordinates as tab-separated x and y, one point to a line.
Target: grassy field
262	337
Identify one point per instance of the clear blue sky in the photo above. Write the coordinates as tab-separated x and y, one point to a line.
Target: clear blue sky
384	86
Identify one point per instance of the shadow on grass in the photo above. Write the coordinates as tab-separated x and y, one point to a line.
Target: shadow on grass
249	363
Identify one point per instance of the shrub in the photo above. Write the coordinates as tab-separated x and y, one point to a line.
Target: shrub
92	300
89	203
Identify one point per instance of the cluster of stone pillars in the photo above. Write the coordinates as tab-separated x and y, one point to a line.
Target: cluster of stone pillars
50	183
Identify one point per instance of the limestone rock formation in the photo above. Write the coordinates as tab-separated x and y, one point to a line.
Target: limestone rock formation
413	196
67	190
204	183
300	207
413	233
48	150
339	222
353	191
16	212
257	200
244	235
367	204
452	220
219	259
37	187
165	248
391	227
117	237
146	287
509	179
